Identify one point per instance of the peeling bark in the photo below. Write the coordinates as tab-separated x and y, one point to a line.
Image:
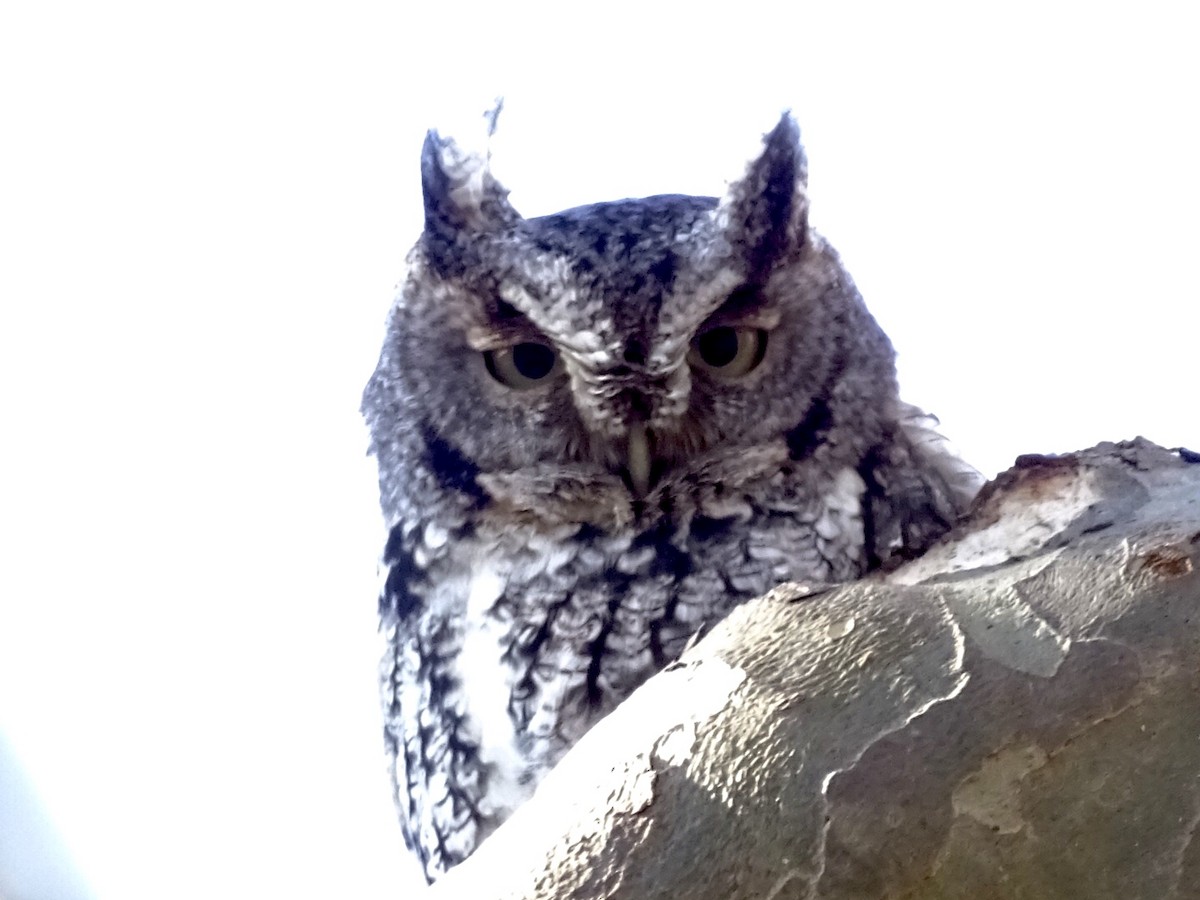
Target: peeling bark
1016	714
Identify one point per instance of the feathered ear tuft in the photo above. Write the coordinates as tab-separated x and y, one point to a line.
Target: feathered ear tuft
462	198
767	210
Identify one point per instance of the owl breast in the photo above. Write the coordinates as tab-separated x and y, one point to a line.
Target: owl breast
527	636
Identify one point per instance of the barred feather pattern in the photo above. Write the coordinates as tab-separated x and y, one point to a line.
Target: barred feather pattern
504	646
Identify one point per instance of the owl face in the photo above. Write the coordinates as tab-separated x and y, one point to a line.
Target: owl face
621	351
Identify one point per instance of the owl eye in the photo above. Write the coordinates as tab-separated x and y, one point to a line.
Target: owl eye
523	366
728	352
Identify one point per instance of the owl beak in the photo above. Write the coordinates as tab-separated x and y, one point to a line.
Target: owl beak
639	459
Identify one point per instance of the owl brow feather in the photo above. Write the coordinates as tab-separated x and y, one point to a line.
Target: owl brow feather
746	304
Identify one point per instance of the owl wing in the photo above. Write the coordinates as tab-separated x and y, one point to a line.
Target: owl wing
917	489
436	774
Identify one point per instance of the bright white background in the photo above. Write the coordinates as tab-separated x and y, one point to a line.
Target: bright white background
204	208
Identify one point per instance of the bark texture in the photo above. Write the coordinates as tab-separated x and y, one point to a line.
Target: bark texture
1015	715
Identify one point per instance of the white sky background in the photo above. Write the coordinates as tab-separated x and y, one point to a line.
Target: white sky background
203	213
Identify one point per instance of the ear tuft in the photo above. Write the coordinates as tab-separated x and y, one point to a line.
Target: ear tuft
459	191
767	210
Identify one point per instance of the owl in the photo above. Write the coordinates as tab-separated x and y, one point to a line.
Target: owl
597	432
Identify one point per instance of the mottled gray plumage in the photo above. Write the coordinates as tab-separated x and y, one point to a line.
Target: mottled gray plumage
598	431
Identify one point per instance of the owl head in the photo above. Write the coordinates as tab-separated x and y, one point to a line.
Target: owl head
599	362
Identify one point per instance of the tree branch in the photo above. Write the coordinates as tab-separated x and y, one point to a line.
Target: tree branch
1016	714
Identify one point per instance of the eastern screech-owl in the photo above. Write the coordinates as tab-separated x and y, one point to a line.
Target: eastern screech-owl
598	431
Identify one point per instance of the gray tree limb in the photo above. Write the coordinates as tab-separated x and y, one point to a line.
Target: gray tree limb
1016	715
